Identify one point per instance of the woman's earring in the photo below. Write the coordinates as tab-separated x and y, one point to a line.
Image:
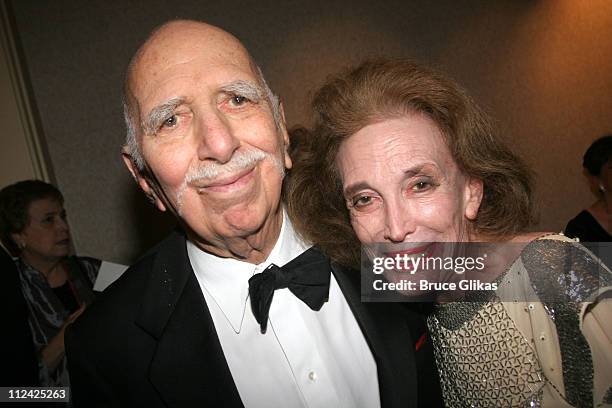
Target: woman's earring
602	188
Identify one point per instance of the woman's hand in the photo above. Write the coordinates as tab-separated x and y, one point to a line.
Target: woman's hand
74	316
53	353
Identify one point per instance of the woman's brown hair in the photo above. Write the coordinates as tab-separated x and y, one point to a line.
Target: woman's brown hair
382	89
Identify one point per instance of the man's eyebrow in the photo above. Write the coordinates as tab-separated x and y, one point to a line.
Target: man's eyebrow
247	89
158	114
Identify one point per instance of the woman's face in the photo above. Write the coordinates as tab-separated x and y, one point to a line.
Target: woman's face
401	184
46	235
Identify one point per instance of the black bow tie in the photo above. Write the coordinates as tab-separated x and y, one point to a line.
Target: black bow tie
307	277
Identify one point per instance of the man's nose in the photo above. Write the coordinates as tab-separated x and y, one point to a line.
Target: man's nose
216	138
399	223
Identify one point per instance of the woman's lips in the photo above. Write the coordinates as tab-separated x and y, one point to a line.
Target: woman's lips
426	249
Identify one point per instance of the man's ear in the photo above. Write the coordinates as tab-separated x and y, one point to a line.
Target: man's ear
283	130
142	179
473	197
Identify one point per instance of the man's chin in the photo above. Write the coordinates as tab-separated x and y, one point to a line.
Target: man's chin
245	219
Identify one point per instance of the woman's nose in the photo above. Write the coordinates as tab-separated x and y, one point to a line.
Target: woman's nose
399	223
62	224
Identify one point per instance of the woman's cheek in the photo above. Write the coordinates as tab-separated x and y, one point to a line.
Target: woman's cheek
367	228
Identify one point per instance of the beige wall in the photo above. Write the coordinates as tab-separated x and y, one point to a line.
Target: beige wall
547	79
15	163
15	160
541	68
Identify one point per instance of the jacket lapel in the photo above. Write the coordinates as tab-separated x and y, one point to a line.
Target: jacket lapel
188	367
385	328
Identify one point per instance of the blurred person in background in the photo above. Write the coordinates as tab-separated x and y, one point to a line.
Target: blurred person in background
56	286
593	224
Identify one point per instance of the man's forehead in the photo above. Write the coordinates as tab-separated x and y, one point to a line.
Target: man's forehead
181	42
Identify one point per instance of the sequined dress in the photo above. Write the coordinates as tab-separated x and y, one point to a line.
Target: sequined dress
550	346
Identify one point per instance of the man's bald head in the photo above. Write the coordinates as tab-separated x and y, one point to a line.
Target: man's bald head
177	41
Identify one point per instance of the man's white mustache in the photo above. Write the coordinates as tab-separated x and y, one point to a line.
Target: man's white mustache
210	171
239	161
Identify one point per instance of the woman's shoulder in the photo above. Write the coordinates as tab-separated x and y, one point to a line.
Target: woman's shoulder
562	269
529	237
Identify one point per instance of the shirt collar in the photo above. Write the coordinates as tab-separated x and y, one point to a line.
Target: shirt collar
226	279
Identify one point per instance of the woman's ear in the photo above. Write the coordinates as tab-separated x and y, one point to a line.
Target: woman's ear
473	197
19	240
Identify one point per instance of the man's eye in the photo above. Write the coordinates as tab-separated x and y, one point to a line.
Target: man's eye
170	122
238	100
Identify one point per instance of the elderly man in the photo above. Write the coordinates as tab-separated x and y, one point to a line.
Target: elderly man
207	141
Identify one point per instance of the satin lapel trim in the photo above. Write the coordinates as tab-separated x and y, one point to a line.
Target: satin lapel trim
188	367
167	278
352	295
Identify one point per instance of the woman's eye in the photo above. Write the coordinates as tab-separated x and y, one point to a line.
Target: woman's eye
362	201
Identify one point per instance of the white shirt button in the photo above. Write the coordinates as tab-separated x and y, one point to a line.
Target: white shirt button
312	376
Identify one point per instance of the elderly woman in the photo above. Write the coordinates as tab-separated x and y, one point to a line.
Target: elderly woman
56	287
400	154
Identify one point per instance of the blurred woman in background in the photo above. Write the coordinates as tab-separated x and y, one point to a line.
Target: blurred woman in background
594	224
57	287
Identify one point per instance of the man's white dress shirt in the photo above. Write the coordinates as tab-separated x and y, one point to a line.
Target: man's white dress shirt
306	358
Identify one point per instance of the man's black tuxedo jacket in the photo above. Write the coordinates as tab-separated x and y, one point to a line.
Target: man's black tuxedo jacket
149	341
